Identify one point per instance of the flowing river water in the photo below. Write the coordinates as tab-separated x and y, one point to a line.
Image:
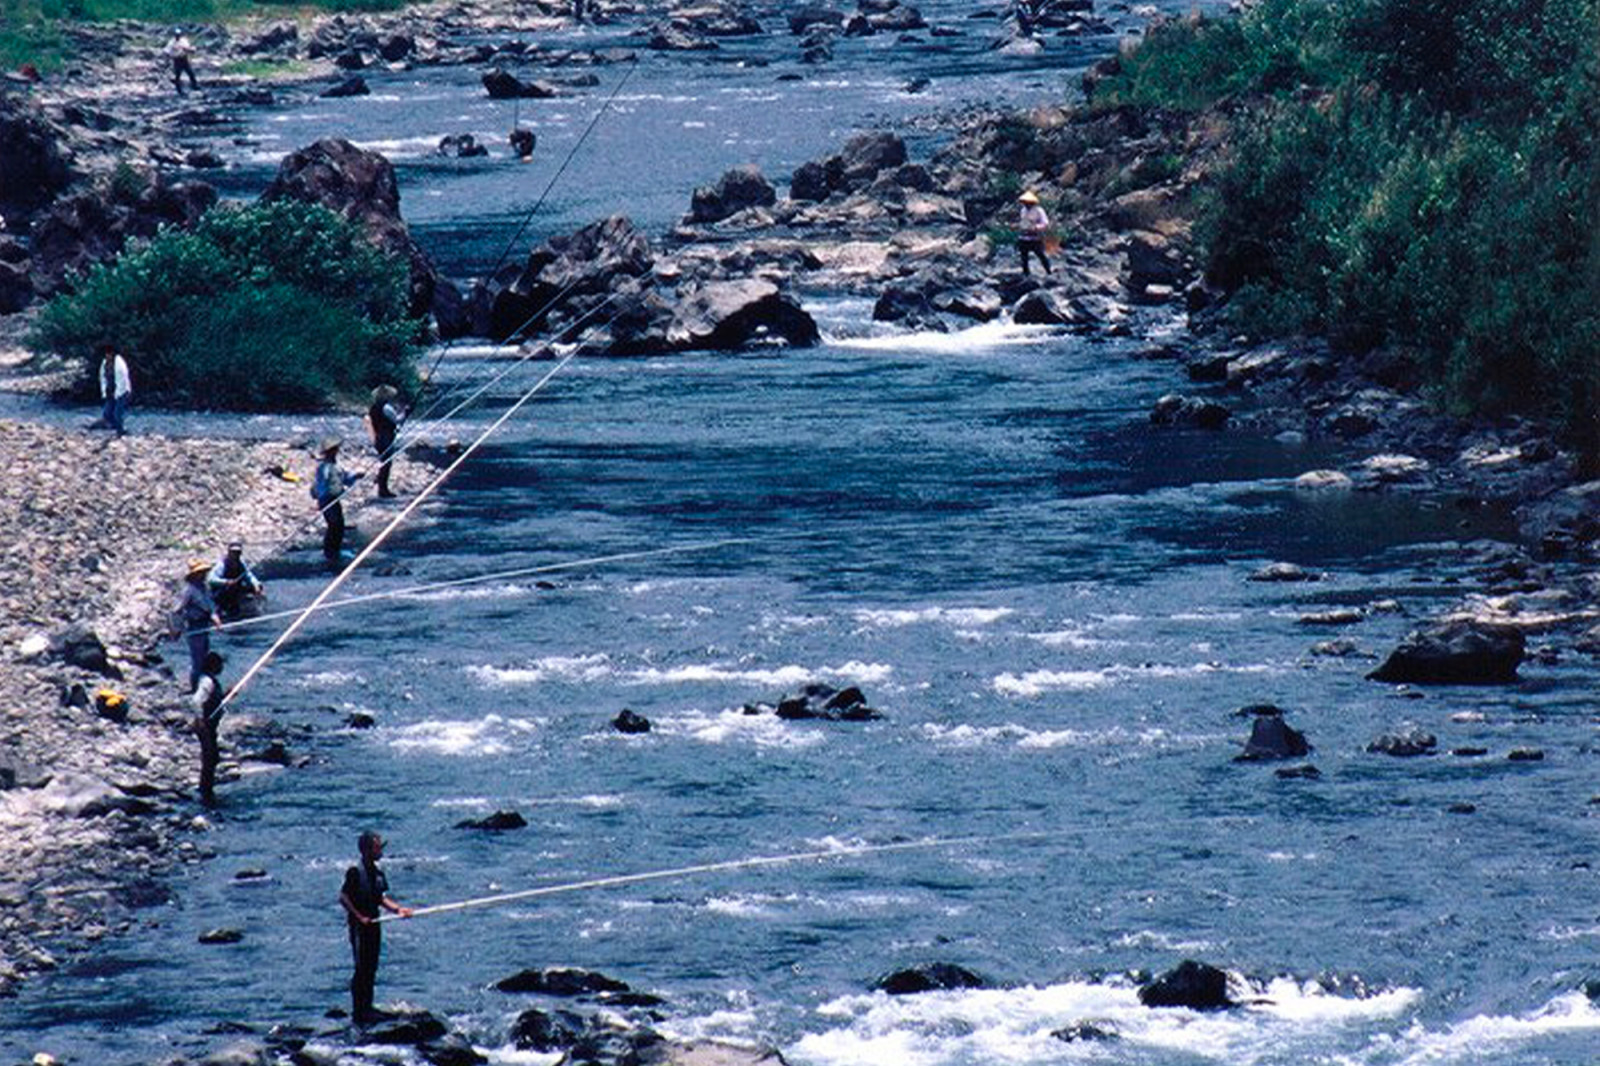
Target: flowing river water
1046	598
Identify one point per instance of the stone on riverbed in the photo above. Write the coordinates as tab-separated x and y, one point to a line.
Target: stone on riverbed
1271	737
934	977
818	701
1191	984
562	981
1455	653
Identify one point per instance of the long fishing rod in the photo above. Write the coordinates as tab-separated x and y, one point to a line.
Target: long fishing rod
713	867
411	435
499	575
400	442
528	216
361	557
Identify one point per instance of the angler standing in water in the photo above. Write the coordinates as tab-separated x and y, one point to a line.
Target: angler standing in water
328	490
207	699
194	617
383	420
365	894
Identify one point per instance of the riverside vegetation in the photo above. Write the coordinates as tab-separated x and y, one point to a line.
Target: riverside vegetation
40	31
259	307
1419	174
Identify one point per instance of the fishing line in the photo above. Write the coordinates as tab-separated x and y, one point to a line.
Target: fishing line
550	185
716	867
417	590
361	557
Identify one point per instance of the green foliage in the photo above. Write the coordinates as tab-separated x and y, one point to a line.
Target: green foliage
30	30
1433	181
1189	65
272	306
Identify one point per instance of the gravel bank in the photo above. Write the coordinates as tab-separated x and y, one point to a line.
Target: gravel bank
95	533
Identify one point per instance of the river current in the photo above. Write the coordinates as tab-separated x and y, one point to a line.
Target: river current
1047	599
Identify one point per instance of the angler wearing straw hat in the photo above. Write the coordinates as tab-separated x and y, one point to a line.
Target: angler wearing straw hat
327	488
1032	223
364	896
194	616
234	587
383	420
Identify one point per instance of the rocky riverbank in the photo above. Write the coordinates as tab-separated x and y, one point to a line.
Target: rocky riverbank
95	809
96	793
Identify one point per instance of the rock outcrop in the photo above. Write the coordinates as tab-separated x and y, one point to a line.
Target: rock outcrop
1196	985
1460	652
359	185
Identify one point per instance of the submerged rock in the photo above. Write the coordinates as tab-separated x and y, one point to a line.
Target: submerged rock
934	977
818	701
561	981
1087	1032
1196	985
496	822
1459	652
630	722
1405	745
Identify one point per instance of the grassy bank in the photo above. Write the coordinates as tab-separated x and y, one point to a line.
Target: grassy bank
39	31
1416	174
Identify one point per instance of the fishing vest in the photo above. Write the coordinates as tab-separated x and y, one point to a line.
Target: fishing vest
366	885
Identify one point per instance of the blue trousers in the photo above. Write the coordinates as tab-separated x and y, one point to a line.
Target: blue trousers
113	413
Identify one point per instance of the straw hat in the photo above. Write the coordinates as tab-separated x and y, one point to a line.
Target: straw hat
1029	197
329	445
197	566
384	393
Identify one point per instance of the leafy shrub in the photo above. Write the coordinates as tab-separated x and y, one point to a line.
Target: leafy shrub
1191	64
1434	182
272	306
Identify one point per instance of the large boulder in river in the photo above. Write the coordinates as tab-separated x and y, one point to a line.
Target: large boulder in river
359	185
35	163
727	315
501	85
1460	652
854	167
593	261
739	188
934	977
1191	984
1271	737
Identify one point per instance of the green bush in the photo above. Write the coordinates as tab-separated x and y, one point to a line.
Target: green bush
1192	64
1432	182
272	306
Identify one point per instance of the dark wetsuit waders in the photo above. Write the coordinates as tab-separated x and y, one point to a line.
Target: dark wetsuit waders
366	887
383	433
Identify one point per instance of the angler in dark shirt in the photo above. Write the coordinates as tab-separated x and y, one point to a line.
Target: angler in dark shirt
384	420
364	896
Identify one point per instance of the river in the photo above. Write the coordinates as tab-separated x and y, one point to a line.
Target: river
1047	599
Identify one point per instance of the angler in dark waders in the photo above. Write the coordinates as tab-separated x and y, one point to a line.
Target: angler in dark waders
383	420
207	700
364	896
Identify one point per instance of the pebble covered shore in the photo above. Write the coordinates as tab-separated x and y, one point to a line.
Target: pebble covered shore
95	531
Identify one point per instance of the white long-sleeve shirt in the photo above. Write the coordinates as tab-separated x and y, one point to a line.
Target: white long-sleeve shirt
121	384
